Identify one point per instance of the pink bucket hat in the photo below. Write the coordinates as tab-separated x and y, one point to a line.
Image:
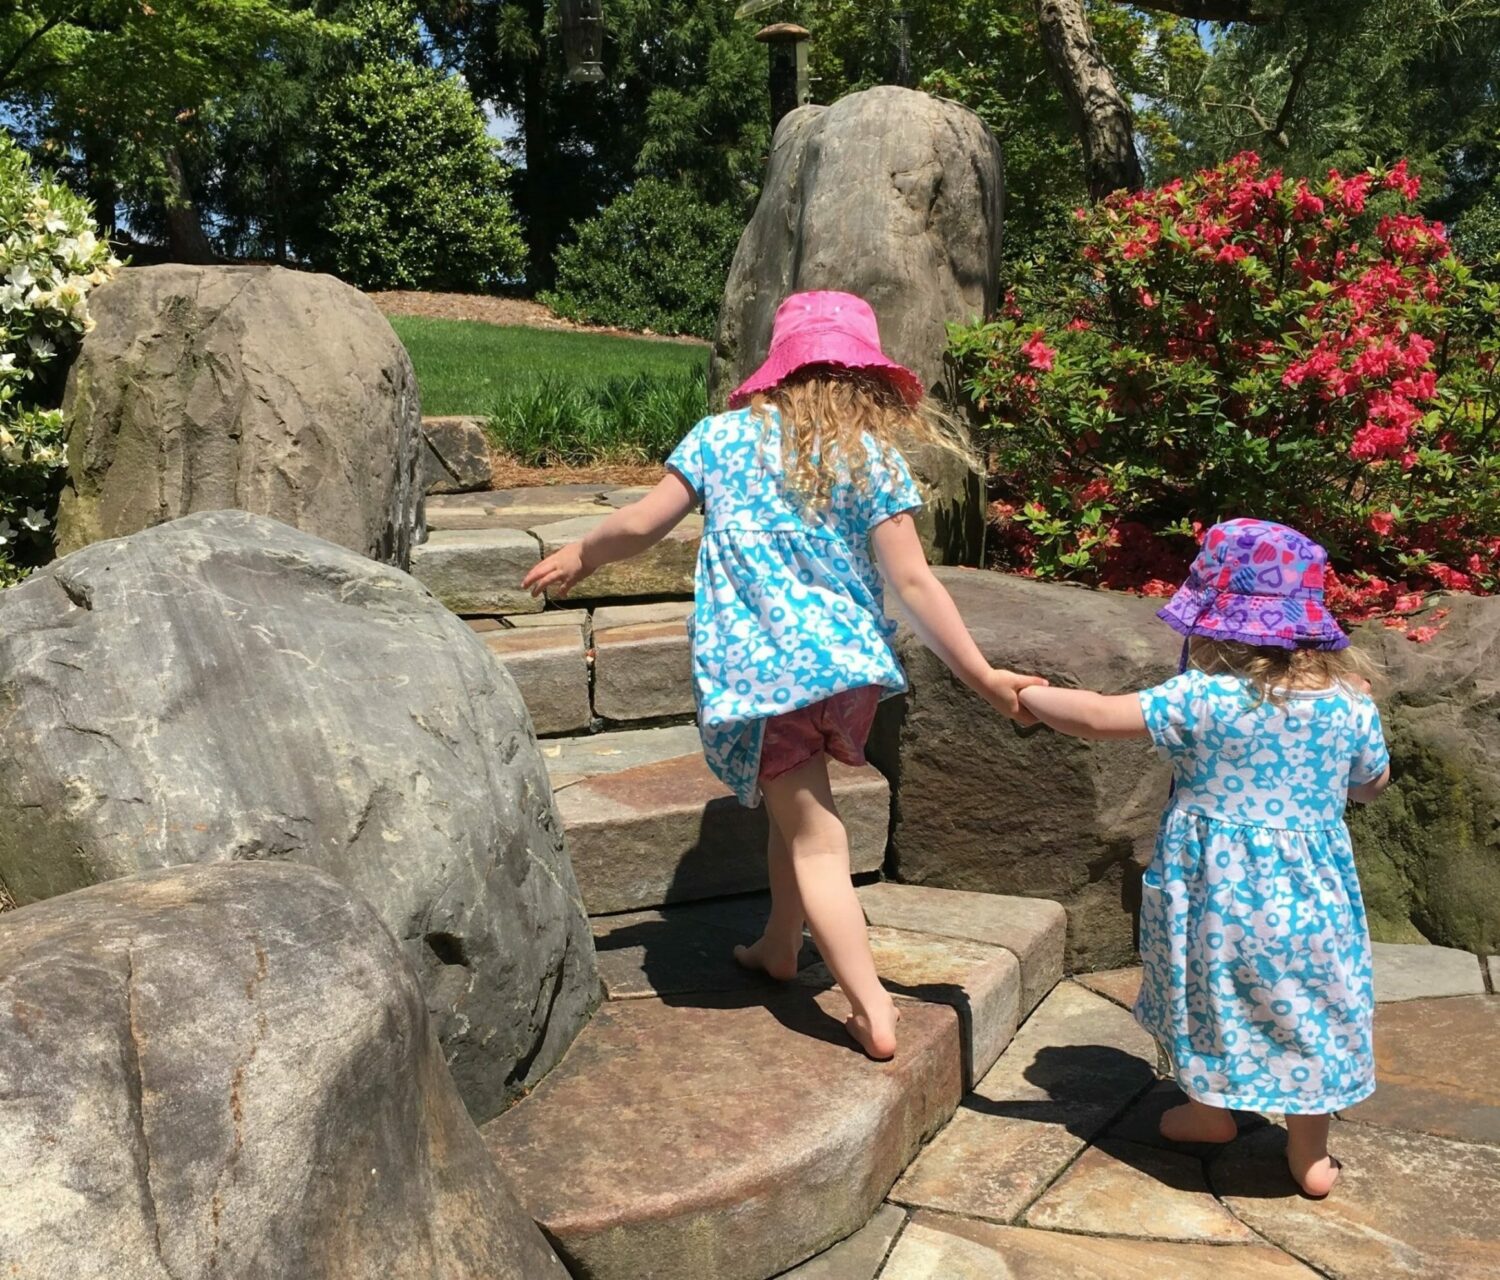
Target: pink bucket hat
825	328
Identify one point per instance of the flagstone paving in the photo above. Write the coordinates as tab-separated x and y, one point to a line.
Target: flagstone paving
1052	1168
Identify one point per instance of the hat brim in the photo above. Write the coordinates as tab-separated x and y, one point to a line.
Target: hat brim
814	348
1202	613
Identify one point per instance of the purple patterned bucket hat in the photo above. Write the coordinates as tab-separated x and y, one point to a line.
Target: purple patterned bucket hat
1258	583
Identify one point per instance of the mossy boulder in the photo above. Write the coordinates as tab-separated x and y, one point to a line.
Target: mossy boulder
1429	850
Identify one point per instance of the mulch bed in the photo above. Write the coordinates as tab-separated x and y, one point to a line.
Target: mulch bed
492	310
506	473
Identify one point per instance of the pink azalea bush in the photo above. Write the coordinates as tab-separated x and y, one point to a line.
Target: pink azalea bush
1240	343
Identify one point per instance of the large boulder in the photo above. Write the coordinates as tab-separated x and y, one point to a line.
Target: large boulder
984	805
897	197
230	1071
224	687
1429	849
981	804
267	390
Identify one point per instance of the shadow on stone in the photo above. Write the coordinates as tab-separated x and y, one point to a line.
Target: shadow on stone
1071	1076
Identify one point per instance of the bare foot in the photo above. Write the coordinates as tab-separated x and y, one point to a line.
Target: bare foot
875	1032
770	956
1198	1122
1315	1172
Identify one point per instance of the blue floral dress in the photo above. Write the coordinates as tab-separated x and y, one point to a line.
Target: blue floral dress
1256	952
788	608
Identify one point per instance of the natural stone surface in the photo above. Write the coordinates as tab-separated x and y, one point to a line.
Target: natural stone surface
1408	972
478	570
516	508
982	984
1429	849
1032	930
570	760
1435	1068
279	392
1120	985
859	1257
1074	1064
722	1139
669	831
895	196
643	672
938	1248
1407	1206
1121	1189
551	670
230	1071
636	615
682	950
1494	967
970	814
224	687
665	570
456	458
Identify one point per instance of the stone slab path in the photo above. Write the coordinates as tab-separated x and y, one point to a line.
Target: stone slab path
1052	1167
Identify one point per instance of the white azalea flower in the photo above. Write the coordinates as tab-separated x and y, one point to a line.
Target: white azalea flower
35	520
40	347
7	360
20	276
5	532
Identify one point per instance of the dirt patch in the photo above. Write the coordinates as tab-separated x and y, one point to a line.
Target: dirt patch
506	473
492	310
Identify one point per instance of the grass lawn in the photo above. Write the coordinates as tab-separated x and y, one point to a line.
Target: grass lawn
465	366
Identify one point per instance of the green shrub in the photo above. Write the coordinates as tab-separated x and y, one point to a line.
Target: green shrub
50	257
656	258
1242	344
553	421
412	188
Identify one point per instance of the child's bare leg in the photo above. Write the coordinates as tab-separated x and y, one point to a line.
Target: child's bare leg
1307	1154
802	808
776	950
1195	1121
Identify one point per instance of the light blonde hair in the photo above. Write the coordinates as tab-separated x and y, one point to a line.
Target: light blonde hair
1273	671
825	414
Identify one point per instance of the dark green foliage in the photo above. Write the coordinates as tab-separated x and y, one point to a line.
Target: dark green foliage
656	259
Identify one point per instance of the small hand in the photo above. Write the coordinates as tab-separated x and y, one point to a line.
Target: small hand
561	571
1001	690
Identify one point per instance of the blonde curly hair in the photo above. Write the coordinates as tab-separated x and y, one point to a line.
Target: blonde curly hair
1275	671
826	412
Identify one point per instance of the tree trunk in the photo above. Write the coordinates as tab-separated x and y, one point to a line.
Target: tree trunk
1100	112
537	195
185	239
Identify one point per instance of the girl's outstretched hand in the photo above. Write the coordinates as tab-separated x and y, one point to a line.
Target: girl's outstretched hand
1001	689
562	571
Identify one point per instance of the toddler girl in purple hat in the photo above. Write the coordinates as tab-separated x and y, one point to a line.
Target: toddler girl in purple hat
1256	954
807	513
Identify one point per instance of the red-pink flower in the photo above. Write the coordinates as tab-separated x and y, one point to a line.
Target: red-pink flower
1383	522
1232	253
1038	354
1407	184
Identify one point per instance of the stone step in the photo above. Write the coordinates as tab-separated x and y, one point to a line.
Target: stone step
477	570
648	824
549	663
663	570
643	667
722	1137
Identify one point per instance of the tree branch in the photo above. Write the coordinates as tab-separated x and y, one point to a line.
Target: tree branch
1256	11
26	45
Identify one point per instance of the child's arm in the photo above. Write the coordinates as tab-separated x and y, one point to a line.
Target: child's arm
1368	792
936	620
625	533
1083	714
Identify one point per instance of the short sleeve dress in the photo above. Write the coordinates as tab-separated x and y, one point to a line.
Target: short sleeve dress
1256	952
788	608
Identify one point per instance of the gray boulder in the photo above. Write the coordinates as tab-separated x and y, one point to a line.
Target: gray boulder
982	804
224	687
456	455
895	196
258	388
1429	849
230	1071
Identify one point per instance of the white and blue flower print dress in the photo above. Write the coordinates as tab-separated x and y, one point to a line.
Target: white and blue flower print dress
1254	942
789	609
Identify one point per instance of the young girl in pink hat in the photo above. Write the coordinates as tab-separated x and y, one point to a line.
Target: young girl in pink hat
1255	950
808	511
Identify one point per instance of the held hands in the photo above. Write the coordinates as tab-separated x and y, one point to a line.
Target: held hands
562	571
1001	689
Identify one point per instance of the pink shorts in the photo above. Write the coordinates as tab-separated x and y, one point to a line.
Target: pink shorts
838	726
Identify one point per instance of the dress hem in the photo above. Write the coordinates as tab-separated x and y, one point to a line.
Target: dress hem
1274	1106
